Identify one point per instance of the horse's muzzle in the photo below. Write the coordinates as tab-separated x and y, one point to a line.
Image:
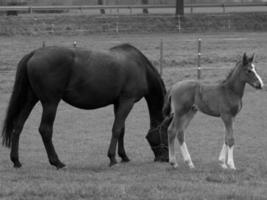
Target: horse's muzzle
161	153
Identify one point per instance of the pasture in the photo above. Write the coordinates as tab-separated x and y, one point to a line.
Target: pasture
81	137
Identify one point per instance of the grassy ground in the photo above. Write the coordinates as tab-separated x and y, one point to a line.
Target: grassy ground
81	137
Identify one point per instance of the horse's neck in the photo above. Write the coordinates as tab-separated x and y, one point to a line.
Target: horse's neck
155	110
235	85
155	101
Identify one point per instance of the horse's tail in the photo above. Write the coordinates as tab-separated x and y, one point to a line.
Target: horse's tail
17	100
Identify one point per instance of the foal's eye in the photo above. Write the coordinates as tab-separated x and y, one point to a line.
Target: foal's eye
249	71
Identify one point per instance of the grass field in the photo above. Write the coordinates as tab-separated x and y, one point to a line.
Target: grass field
82	137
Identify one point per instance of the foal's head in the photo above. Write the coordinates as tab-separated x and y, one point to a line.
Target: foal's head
248	72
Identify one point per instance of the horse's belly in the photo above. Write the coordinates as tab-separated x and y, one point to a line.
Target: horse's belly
88	101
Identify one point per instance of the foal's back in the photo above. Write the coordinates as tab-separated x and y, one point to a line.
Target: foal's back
209	98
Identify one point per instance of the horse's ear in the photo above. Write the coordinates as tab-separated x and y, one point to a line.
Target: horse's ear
245	59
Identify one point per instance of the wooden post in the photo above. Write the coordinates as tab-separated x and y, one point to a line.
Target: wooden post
74	44
179	7
145	10
179	23
223	8
191	7
198	59
100	2
161	58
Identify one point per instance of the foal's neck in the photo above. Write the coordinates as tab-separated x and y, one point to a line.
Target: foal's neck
234	84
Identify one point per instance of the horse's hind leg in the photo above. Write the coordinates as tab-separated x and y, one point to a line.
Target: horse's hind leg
23	115
183	124
121	149
46	131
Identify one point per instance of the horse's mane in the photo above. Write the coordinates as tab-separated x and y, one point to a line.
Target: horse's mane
130	48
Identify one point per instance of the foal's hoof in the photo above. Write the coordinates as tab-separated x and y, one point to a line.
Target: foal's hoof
174	165
190	164
223	165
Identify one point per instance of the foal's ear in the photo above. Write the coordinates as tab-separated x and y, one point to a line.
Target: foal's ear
251	59
245	59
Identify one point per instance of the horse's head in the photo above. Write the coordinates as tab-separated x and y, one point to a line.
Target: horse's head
248	72
158	140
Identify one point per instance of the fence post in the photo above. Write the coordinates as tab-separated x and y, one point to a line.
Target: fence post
179	23
161	58
52	28
191	7
74	44
117	23
198	60
223	7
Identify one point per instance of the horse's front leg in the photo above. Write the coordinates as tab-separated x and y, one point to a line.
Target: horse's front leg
227	150
121	110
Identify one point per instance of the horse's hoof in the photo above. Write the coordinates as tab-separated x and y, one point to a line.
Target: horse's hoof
60	165
125	159
113	162
17	165
57	164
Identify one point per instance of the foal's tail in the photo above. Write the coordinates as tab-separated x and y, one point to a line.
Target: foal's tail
166	110
17	100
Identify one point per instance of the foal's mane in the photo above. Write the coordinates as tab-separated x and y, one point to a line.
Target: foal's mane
230	73
133	50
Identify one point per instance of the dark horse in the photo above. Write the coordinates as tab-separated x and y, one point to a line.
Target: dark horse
87	80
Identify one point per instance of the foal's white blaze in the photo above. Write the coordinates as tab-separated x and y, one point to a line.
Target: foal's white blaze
230	161
186	155
223	156
256	74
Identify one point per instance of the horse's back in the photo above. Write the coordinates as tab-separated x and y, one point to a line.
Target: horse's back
85	79
102	78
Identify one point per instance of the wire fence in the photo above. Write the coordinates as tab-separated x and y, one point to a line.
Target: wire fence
114	24
135	8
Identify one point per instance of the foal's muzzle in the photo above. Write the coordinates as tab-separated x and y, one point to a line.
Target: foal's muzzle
258	85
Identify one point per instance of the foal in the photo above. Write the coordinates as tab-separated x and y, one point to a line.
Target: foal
222	100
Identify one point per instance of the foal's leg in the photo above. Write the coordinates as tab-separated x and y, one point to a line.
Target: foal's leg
23	115
227	151
184	122
172	131
46	131
223	156
122	110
